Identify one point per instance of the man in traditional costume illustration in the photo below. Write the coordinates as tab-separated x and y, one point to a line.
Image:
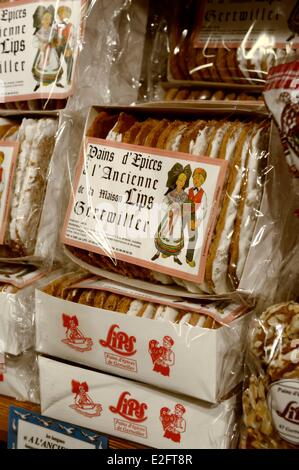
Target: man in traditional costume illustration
198	199
162	356
173	423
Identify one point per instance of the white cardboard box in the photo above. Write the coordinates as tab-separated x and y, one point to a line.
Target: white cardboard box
207	363
133	411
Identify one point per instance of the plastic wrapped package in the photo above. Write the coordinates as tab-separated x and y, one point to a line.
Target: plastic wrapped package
230	43
110	67
17	284
281	98
20	377
40	53
192	348
238	216
25	171
128	409
270	396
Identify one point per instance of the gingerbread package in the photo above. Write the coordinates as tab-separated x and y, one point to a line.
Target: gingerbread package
184	346
134	411
235	43
27	144
271	393
39	57
175	200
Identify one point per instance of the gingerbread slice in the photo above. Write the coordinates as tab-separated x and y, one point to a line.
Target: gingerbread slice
145	129
123	124
130	135
123	304
161	143
221	260
174	138
153	136
190	135
111	302
87	297
101	125
250	201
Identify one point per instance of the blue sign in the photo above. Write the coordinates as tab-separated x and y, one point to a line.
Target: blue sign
29	430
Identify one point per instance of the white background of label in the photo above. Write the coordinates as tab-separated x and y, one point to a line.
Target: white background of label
204	358
22	83
91	233
206	426
280	395
28	430
265	32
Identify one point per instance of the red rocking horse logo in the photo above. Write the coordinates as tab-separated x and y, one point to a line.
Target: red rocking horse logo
75	339
162	356
173	423
83	402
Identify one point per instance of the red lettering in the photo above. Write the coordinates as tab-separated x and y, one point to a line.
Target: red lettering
119	342
129	408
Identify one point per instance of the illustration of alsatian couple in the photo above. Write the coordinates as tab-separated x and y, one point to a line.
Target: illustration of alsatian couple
181	208
55	41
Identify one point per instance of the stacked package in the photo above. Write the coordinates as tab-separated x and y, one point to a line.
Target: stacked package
149	338
19	378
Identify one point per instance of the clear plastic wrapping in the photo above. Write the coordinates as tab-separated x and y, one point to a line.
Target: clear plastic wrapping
245	227
109	70
271	391
186	347
27	143
17	307
230	42
128	409
20	378
40	53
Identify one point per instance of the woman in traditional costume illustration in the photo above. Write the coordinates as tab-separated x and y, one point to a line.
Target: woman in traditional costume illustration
46	67
169	239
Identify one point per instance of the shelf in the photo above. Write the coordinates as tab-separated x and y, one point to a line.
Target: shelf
5	403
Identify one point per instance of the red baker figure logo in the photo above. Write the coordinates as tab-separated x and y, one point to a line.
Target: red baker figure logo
162	356
83	402
75	339
173	423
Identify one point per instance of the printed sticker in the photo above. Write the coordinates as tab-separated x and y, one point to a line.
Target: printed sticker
39	46
251	24
150	207
283	401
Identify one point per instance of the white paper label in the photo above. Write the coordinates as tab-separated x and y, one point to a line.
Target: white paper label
8	155
150	207
254	23
32	436
39	43
283	402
